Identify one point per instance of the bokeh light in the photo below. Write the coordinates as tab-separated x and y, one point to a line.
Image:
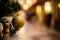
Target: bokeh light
59	5
48	7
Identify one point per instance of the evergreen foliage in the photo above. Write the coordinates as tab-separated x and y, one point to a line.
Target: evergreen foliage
7	8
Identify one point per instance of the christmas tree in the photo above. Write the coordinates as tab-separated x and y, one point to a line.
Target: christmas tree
7	7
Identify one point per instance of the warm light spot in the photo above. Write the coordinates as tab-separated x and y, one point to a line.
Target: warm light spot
39	12
48	7
7	24
29	1
25	7
59	5
26	4
48	3
7	30
38	9
7	35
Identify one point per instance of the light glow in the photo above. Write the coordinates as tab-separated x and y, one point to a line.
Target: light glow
25	7
29	1
39	12
59	5
26	4
38	9
48	7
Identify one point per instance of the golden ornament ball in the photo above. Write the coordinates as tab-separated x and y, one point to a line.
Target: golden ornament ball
18	22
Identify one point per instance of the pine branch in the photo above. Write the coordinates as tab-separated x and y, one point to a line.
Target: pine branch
7	8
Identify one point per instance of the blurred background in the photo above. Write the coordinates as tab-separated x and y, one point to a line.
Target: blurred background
46	11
